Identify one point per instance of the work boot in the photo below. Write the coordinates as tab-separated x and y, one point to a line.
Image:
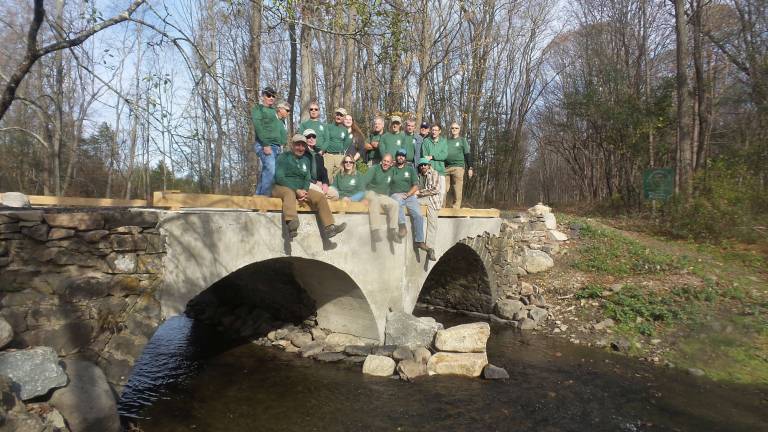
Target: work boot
331	230
293	228
394	236
376	235
430	252
402	231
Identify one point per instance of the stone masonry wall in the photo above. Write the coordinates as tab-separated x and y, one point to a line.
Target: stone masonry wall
82	282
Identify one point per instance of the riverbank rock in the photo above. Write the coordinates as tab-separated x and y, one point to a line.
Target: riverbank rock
35	370
402	353
336	342
410	369
421	355
405	329
87	403
464	338
491	372
378	366
465	364
6	333
14	416
311	349
508	309
536	261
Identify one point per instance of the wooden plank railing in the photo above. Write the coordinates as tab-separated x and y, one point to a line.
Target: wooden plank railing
175	200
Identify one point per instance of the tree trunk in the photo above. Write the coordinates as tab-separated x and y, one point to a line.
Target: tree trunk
684	169
307	60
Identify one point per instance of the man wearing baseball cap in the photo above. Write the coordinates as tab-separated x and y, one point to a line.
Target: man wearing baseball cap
404	187
271	135
429	194
292	179
337	141
395	140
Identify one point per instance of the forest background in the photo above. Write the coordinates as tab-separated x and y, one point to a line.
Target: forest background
562	102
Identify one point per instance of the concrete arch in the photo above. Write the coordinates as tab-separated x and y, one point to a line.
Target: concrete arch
292	289
463	278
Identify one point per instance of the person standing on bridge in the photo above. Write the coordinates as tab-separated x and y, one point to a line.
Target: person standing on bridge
373	145
435	149
395	139
457	159
314	123
292	179
405	186
429	195
337	142
271	135
413	139
378	180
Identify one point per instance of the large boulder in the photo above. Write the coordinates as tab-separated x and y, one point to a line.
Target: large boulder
6	333
466	364
539	210
15	199
464	338
35	370
549	221
87	403
337	341
405	329
378	366
536	261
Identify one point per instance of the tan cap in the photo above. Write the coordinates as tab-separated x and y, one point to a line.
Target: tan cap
395	119
299	138
341	111
308	132
284	105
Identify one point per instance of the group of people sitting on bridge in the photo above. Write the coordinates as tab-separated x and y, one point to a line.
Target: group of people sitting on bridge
404	169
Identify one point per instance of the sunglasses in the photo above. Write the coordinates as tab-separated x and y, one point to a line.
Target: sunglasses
269	95
339	115
454	128
311	137
314	109
347	162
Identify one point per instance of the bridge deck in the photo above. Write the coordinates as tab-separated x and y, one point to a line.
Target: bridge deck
175	200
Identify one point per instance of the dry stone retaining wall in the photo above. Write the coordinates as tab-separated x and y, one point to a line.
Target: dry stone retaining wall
82	282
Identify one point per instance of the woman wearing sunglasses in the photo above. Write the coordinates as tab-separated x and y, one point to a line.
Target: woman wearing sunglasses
348	182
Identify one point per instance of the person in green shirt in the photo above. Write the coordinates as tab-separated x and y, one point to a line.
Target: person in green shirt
348	182
457	159
404	188
435	149
271	135
373	155
292	178
314	123
377	182
337	141
395	140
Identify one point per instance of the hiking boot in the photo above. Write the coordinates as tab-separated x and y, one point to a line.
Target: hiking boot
376	235
332	230
293	228
394	236
430	252
402	231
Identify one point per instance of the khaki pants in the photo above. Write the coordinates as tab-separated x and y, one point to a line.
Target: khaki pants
443	180
332	164
432	213
377	203
454	179
315	199
332	194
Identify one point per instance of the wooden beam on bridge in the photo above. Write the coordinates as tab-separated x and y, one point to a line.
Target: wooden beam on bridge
42	200
176	201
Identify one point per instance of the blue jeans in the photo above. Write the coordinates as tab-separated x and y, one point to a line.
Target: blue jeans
414	210
267	169
357	196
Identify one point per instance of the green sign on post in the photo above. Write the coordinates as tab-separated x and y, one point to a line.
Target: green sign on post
658	183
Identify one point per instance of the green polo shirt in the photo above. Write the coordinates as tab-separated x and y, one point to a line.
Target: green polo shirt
394	142
270	130
292	172
403	179
378	180
348	184
375	154
320	128
456	149
337	139
438	150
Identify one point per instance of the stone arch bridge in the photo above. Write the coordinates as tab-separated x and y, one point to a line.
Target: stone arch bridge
97	282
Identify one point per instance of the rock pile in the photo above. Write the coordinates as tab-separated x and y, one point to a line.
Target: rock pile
413	347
